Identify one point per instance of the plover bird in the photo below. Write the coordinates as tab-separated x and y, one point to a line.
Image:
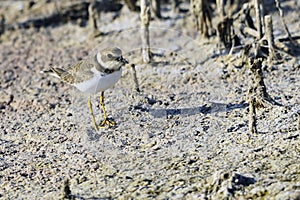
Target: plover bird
95	75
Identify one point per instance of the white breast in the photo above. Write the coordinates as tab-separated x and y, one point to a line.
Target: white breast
99	82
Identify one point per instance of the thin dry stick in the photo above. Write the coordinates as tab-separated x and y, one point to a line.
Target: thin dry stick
145	22
93	17
250	31
137	87
175	6
131	5
220	7
202	13
258	14
232	47
299	123
282	19
226	32
2	24
205	18
252	116
243	20
156	8
195	12
270	37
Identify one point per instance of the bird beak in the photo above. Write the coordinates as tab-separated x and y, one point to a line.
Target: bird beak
122	60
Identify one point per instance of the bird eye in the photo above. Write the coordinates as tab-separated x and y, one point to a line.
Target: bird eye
109	55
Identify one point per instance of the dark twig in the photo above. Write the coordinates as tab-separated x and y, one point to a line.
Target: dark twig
278	6
252	116
67	194
202	12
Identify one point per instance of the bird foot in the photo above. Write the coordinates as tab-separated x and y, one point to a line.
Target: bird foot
108	122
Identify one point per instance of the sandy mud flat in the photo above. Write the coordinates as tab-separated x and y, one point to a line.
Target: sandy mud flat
184	136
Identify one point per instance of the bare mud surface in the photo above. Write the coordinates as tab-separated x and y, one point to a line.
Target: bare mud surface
184	136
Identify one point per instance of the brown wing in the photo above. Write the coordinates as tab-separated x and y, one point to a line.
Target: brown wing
77	73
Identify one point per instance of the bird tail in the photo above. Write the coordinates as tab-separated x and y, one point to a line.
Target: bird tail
56	72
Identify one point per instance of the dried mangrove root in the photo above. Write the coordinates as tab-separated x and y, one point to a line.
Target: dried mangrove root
259	90
252	116
202	13
145	22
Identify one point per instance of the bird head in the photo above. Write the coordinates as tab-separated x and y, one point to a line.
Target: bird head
111	58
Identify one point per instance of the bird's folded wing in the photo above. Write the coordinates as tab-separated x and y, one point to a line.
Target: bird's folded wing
78	72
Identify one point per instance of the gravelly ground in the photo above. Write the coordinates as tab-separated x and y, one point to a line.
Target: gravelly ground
185	136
